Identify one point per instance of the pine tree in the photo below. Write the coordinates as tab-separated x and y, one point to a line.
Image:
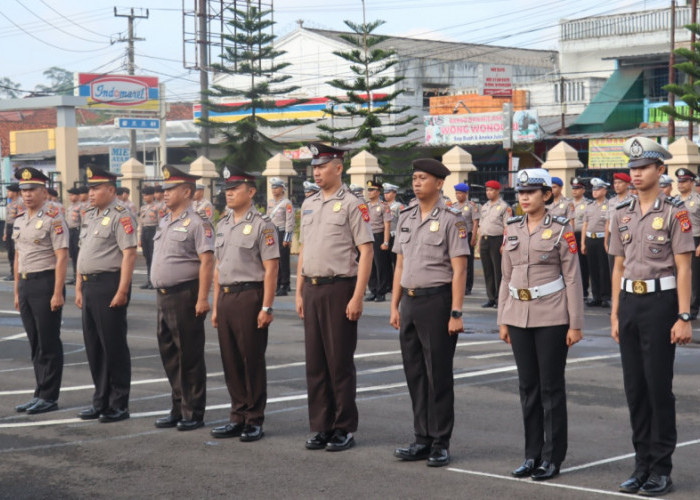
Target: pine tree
688	91
369	63
250	51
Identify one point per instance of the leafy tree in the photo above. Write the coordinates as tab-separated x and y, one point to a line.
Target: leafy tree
369	63
60	82
688	91
249	51
8	88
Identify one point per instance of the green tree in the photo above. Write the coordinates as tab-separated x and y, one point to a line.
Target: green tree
9	89
60	82
689	92
249	52
369	64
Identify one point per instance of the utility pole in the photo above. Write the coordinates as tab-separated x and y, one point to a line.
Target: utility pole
672	75
562	130
203	68
130	68
693	20
364	43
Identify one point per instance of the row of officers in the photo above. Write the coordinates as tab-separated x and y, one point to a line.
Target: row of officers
539	297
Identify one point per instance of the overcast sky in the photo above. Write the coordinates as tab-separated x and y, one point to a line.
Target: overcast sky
77	35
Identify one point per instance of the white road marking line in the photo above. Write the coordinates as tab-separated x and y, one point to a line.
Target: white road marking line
618	458
14	337
492	355
539	483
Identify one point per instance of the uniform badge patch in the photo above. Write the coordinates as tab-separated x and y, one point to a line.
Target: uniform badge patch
269	240
52	211
571	240
658	222
38	224
247	229
462	227
58	227
363	209
546	234
684	221
434	226
625	220
126	224
289	208
105	221
208	231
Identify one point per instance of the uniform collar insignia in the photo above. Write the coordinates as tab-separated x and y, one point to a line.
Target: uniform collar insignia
249	216
183	214
341	192
41	212
657	203
435	211
547	220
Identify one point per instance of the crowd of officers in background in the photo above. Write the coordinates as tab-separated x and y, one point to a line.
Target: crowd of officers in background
422	254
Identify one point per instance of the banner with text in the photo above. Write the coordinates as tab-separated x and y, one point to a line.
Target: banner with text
606	153
480	128
118	92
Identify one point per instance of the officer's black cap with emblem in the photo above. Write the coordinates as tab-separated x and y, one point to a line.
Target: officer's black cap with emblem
173	177
148	190
98	175
431	166
235	176
73	190
84	190
157	188
577	183
14	187
643	151
374	185
52	192
323	153
683	174
120	191
30	178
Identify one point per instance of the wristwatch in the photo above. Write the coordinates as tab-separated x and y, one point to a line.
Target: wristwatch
684	317
456	314
268	310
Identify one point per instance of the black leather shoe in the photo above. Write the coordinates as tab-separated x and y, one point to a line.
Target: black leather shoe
370	298
189	425
281	292
605	303
546	470
26	406
340	441
467	292
9	277
490	303
633	484
439	457
70	281
91	413
114	415
252	433
656	485
227	431
145	286
318	441
593	303
413	452
42	406
526	469
168	421
380	298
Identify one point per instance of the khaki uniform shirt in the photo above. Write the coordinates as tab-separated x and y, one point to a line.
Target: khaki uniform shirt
148	214
538	258
177	246
204	208
14	209
427	245
692	204
648	242
330	231
73	215
564	207
103	237
131	207
162	209
615	201
395	208
241	247
282	215
37	238
595	216
494	217
84	207
470	211
579	212
379	213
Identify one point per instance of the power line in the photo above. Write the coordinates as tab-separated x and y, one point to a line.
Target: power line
73	22
56	27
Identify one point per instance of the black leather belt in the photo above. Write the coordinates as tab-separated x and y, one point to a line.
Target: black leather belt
326	280
422	292
486	236
239	287
179	287
37	275
99	276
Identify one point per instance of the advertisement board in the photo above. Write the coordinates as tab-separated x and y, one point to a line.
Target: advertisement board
480	128
118	92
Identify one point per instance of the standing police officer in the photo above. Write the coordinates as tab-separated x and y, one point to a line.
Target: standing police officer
330	287
281	211
105	267
494	214
426	305
148	223
470	211
41	258
13	209
201	205
691	199
380	223
73	220
181	272
245	278
593	245
561	206
580	202
395	207
652	243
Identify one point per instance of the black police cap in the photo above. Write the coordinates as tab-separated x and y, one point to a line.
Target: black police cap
324	153
431	166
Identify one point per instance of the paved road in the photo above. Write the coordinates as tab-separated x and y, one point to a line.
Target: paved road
58	456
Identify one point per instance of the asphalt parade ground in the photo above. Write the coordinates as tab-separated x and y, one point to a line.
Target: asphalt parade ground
56	455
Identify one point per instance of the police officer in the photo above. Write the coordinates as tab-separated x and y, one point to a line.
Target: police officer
395	207
310	188
426	306
201	205
470	211
148	223
666	184
697	185
494	214
281	211
13	209
561	206
358	191
541	315
652	242
580	202
330	288
245	279
41	243
103	289
593	246
123	194
181	272
691	199
160	203
380	223
84	201
73	220
621	182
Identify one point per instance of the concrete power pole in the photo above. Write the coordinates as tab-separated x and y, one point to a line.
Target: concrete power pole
130	39
203	68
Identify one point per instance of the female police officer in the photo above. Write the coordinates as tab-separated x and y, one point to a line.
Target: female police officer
540	314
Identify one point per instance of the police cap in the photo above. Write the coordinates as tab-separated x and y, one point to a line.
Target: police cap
643	151
30	178
322	153
431	166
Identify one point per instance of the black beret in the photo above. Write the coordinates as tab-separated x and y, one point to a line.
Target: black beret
148	190
431	166
74	190
14	187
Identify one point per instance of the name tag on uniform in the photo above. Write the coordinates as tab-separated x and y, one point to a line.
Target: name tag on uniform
180	229
512	238
623	228
405	230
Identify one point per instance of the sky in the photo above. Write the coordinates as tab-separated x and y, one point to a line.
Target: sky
83	36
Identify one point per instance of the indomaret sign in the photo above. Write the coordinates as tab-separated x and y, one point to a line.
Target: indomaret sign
118	92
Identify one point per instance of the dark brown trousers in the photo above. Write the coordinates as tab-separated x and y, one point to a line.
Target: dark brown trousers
243	347
331	339
181	346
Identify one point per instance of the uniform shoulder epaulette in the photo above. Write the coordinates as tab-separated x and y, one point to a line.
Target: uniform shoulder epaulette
89	209
560	220
676	202
407	209
624	204
265	217
119	208
453	210
513	220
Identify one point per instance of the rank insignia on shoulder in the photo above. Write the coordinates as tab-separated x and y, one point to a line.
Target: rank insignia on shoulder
513	220
625	203
266	218
560	220
407	209
674	201
453	210
119	208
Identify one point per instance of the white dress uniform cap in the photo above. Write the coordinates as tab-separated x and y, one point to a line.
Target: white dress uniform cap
665	180
533	178
597	183
311	186
389	187
277	182
643	151
354	188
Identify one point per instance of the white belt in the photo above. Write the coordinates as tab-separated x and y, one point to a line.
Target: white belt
595	235
536	292
641	287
